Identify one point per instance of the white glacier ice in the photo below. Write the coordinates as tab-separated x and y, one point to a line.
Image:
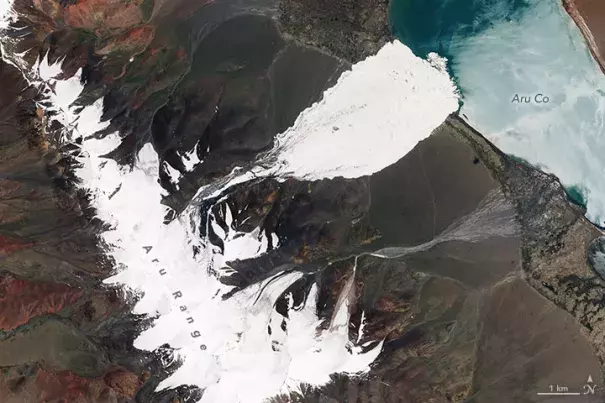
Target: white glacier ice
374	115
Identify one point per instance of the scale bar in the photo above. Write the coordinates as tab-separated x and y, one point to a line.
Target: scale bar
558	393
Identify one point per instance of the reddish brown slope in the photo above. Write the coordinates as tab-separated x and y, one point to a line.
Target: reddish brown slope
21	300
104	16
45	386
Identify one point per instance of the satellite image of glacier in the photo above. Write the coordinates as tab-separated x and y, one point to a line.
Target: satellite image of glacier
302	201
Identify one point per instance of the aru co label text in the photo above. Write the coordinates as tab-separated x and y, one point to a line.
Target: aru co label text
535	99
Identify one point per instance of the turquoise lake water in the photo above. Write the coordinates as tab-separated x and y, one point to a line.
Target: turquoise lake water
439	25
507	57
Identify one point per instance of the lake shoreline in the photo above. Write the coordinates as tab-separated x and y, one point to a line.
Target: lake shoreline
579	14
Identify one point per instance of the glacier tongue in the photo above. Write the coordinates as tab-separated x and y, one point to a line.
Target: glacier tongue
374	115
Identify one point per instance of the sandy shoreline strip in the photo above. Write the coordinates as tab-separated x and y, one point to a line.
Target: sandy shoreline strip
588	15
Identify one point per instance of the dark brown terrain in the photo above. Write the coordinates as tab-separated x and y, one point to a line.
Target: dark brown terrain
492	310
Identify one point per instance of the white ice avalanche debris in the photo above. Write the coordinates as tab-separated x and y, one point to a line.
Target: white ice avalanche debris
374	115
541	53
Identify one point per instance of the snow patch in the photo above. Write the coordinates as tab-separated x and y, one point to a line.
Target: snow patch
238	245
6	12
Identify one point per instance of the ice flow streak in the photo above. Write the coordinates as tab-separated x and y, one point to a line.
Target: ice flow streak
494	216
